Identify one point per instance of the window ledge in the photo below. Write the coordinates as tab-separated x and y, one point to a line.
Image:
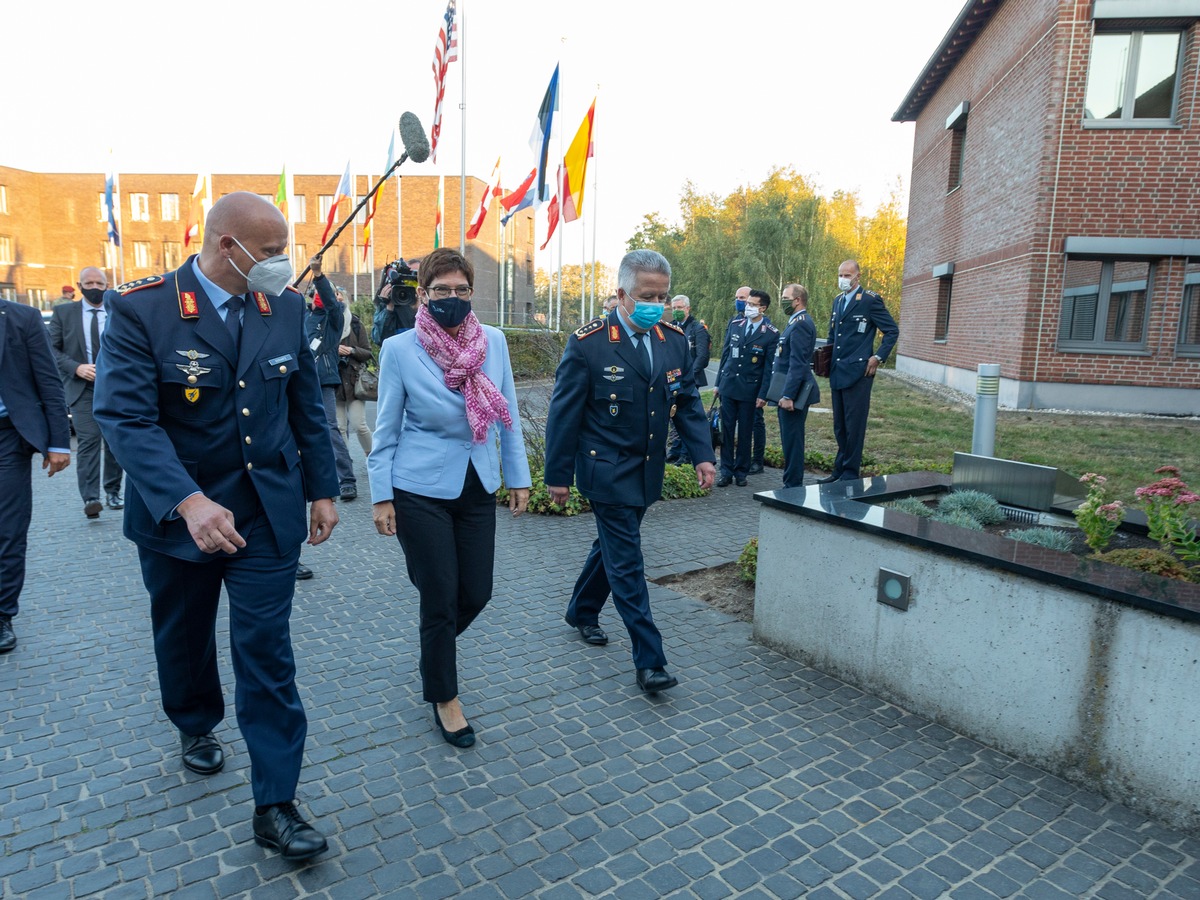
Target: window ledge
1189	351
953	190
940	340
1136	124
1104	350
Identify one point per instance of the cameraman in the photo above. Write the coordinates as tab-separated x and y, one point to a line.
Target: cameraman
395	304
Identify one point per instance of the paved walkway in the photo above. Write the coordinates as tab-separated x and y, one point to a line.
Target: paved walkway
756	777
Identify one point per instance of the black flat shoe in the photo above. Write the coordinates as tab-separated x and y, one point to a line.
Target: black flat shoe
828	479
755	468
741	482
724	481
303	572
654	680
463	738
8	637
281	828
202	753
591	634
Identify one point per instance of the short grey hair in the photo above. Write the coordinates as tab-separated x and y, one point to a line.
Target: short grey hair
636	261
684	297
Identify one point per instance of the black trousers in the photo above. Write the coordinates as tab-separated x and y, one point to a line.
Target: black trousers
16	510
450	550
759	446
791	433
850	408
737	421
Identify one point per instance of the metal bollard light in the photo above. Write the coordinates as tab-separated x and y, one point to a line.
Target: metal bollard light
987	399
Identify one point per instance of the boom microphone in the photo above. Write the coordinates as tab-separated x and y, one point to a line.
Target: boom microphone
416	148
412	134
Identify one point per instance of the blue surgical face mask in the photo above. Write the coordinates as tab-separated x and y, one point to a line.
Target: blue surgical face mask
739	305
646	314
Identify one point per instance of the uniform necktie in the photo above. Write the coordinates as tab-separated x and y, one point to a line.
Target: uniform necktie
643	344
233	319
95	329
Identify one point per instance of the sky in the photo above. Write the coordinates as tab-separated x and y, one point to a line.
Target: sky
717	94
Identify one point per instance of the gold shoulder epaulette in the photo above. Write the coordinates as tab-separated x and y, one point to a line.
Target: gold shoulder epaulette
149	281
675	327
590	328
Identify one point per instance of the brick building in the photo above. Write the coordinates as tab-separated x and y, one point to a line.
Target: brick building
1054	215
52	225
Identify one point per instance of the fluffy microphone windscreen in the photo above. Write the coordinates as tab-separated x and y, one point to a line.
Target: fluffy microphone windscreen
412	134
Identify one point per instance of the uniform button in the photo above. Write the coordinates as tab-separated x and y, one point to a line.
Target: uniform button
241	384
651	412
612	396
249	466
593	453
647	459
652	390
248	441
192	379
283	369
651	438
245	412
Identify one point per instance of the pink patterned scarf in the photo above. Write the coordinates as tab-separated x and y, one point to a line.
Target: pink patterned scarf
461	359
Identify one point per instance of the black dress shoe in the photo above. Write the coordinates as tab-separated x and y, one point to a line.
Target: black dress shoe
654	680
303	573
91	508
349	492
202	753
8	637
116	501
591	634
463	738
755	468
829	479
741	482
724	481
280	827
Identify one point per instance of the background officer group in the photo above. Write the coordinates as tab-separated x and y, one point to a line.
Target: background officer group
742	383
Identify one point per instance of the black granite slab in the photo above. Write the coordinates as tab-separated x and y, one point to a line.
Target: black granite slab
854	505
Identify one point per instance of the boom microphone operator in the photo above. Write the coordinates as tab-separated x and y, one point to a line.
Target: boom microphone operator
416	148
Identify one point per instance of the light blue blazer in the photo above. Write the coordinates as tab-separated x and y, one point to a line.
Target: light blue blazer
422	441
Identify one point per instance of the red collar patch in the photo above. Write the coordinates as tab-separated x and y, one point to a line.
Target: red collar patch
188	308
260	299
614	334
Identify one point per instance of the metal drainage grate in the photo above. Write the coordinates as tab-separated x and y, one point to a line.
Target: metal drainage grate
1023	516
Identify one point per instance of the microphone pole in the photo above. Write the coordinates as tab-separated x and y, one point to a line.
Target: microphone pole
416	148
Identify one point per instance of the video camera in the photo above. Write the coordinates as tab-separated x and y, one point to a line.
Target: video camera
403	281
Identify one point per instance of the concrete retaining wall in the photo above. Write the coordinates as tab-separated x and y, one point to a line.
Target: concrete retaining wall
1093	690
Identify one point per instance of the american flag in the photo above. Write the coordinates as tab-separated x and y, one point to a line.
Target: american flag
444	53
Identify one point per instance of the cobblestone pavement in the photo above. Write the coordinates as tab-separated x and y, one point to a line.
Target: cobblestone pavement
756	777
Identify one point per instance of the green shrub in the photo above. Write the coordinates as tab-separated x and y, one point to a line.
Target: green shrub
815	459
748	561
959	517
981	507
1051	538
773	456
679	483
539	499
535	352
1155	562
912	506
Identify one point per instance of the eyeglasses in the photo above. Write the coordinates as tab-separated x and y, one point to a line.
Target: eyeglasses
441	292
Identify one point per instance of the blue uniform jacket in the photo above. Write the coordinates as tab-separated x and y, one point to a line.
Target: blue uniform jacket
745	372
794	357
422	441
324	329
853	336
29	382
606	429
183	412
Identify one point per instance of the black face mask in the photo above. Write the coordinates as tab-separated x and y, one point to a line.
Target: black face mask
93	295
450	311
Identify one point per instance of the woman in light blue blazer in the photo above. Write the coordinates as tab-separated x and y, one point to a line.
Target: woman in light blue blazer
445	394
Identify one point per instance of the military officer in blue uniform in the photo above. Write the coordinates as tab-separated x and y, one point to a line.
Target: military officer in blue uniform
858	314
700	343
621	379
742	383
207	392
793	366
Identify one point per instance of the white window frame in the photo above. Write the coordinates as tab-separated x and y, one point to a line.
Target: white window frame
168	205
139	207
141	255
1127	119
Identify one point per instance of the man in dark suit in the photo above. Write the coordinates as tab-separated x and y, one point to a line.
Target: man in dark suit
742	383
33	418
793	363
621	378
208	393
700	343
857	315
76	334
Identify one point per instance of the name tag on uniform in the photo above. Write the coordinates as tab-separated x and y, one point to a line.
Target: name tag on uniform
734	352
862	327
279	359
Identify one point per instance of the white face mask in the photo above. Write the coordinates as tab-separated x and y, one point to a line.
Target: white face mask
267	276
843	283
753	312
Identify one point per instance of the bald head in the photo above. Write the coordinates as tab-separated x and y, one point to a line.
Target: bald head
93	282
241	229
241	208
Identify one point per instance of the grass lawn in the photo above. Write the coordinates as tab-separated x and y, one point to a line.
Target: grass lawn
911	430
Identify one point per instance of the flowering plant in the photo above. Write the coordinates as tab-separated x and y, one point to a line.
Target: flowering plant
1098	517
1168	504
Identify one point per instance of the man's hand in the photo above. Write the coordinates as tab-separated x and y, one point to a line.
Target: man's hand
518	500
385	293
872	365
716	392
559	495
55	462
86	371
321	521
314	266
210	525
786	404
384	515
706	474
343	350
760	403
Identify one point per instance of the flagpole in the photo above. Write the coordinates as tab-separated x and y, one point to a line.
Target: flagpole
499	270
117	219
594	223
462	109
399	241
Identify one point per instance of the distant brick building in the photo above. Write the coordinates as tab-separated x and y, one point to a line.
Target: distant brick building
52	225
1054	215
